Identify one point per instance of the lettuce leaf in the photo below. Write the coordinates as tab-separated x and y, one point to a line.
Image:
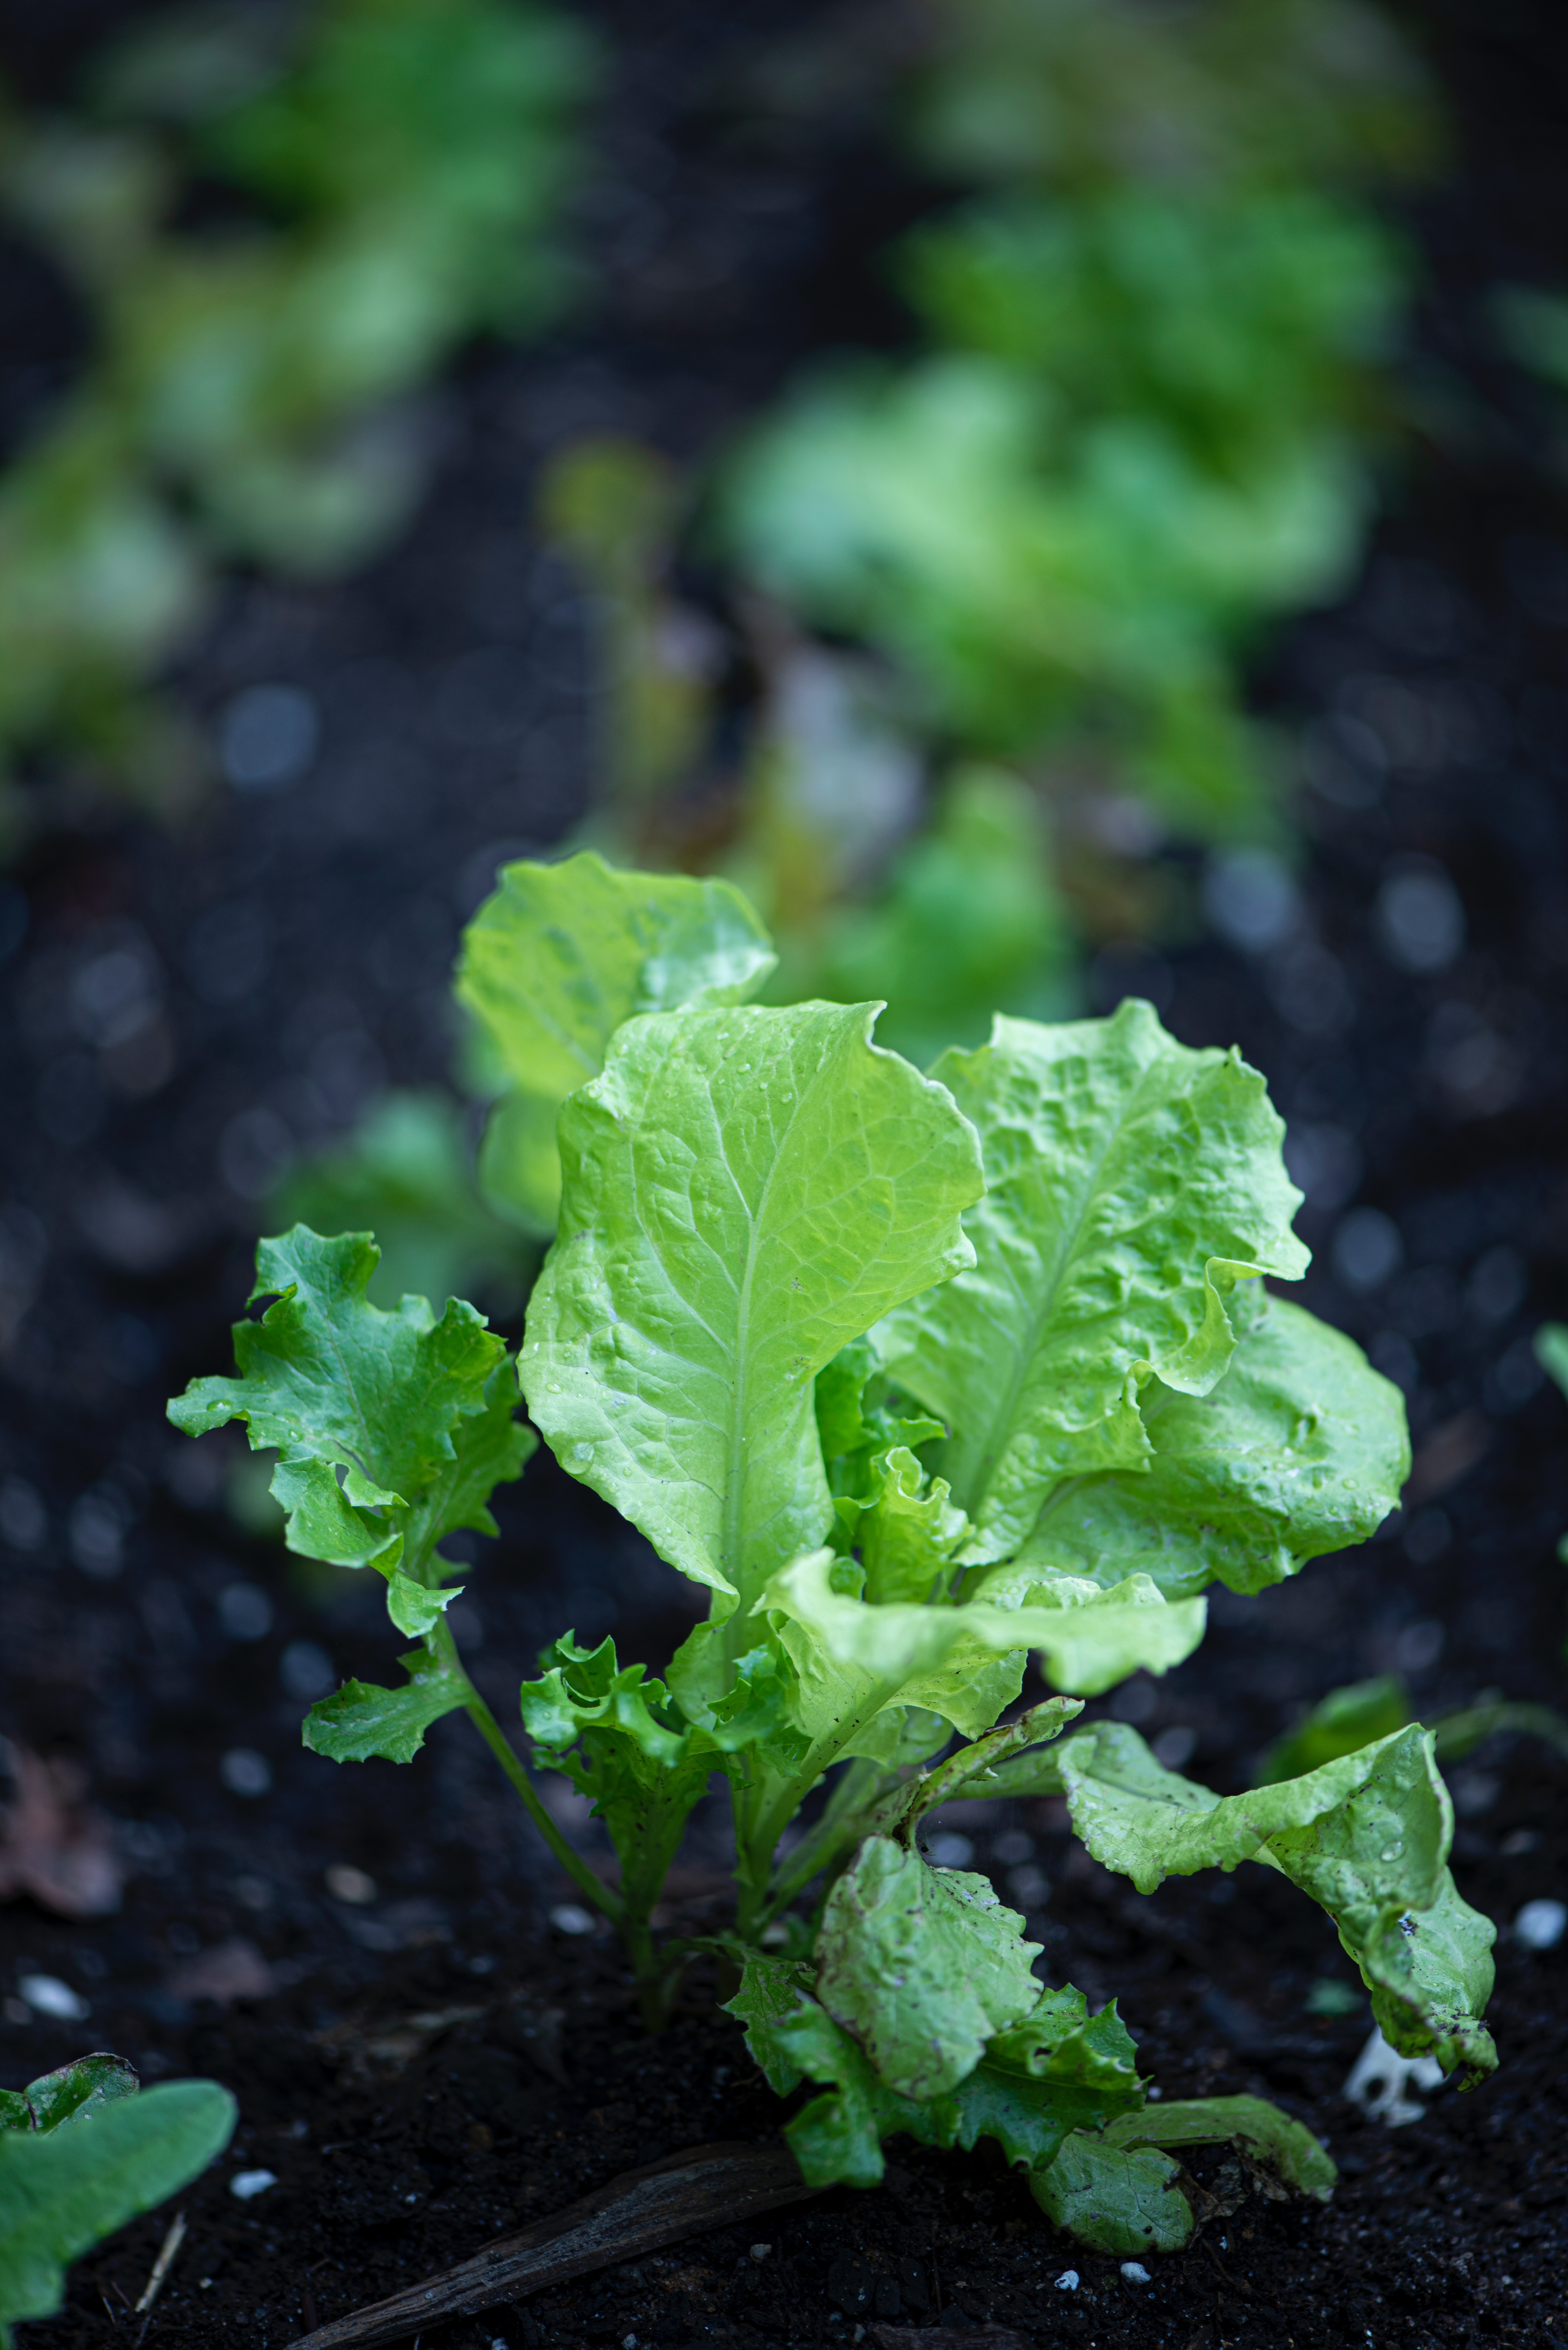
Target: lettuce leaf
746	1191
392	1430
1131	1183
1057	2071
923	1965
1300	1450
854	1662
555	961
1367	1835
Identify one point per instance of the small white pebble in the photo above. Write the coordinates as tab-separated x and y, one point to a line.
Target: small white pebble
47	1995
1540	1925
351	1885
1068	2281
244	1772
1135	2273
761	2251
246	2183
568	1919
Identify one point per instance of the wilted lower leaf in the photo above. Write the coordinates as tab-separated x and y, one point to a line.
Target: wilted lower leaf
922	1965
1114	2200
1367	1835
1269	2137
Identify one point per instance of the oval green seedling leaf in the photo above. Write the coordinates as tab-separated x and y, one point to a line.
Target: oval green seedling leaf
61	2190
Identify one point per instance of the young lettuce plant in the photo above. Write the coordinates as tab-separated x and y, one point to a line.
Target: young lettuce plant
919	1378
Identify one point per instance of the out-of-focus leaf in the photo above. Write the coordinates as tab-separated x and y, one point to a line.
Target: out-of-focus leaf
406	1175
63	2188
1340	1724
557	959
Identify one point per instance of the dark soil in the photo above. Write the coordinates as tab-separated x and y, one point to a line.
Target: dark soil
430	2064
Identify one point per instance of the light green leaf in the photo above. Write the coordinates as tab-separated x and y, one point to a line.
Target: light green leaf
853	1417
922	1965
78	2090
627	1744
414	1608
905	1527
745	1192
555	961
363	1721
392	1430
1300	1450
1131	1183
836	2137
1113	2200
1269	2136
63	2189
519	1163
561	954
852	1662
1367	1835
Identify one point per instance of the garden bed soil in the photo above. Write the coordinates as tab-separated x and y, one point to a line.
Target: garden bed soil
422	2060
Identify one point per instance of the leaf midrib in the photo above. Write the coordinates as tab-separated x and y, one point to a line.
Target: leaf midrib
1025	1353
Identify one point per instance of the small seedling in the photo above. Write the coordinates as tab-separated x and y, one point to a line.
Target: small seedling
82	2151
919	1377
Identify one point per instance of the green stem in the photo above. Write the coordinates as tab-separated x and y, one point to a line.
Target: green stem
443	1648
576	1866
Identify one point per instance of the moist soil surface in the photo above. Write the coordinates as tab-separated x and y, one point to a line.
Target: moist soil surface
423	2059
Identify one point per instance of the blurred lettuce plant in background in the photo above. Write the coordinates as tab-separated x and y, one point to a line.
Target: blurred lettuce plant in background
391	171
1149	397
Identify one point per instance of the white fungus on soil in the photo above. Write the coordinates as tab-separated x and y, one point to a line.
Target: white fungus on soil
1380	2079
1135	2273
1068	2281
